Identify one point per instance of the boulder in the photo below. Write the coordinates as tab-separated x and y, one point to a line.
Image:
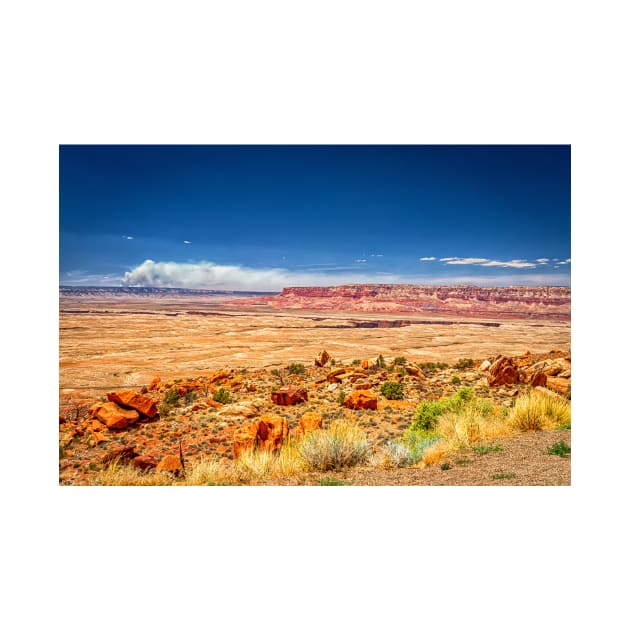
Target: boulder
155	384
273	430
113	416
244	438
309	421
289	395
361	400
219	376
538	378
504	371
237	411
170	463
485	365
561	385
124	453
322	358
128	398
143	462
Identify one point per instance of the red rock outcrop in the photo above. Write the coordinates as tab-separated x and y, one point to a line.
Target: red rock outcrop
361	399
543	302
124	453
504	371
143	462
170	463
128	398
113	416
322	358
267	432
289	395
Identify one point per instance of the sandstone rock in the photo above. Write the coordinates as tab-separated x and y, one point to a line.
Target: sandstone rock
170	463
113	416
363	386
309	421
485	365
237	411
219	376
332	387
244	438
273	430
155	384
124	453
289	395
538	378
558	384
504	371
128	398
143	462
322	358
361	400
97	437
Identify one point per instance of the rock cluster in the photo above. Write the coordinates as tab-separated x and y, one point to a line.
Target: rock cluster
289	395
267	432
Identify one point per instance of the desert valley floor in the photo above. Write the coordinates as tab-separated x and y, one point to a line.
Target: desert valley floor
109	345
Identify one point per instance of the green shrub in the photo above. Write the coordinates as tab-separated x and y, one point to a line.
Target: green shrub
392	390
341	397
456	380
400	361
330	481
410	449
356	361
381	361
559	448
296	368
171	397
428	411
190	397
464	364
483	449
222	395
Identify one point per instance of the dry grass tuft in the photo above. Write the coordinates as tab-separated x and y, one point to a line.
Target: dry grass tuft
117	474
435	453
470	425
538	410
210	472
343	444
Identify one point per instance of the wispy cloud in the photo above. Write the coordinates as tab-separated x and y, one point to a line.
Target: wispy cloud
465	261
542	261
129	238
186	242
514	264
361	260
428	258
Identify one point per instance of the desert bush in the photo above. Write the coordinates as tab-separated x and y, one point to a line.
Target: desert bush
427	412
392	390
296	368
409	450
222	395
190	397
464	364
471	423
343	444
171	397
209	472
400	361
559	448
341	397
356	361
456	380
539	410
381	361
330	481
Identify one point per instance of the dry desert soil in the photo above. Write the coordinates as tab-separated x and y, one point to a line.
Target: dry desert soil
112	345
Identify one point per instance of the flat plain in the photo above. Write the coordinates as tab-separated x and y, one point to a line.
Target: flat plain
106	344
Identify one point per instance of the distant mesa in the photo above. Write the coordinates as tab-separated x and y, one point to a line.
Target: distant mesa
515	302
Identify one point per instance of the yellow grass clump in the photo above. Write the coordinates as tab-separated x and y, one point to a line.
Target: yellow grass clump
435	453
470	425
117	474
539	410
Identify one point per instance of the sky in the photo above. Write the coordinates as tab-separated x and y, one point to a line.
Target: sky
263	217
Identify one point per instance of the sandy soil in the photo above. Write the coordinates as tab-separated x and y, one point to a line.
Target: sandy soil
112	344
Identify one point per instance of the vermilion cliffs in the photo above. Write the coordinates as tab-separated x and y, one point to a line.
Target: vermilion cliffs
518	302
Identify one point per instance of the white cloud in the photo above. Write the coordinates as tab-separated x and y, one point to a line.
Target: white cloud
514	264
428	258
542	261
445	259
187	242
464	261
234	277
129	238
361	260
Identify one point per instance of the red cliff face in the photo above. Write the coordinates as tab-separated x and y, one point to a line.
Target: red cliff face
497	302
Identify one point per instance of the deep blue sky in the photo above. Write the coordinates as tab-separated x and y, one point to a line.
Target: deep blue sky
226	216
